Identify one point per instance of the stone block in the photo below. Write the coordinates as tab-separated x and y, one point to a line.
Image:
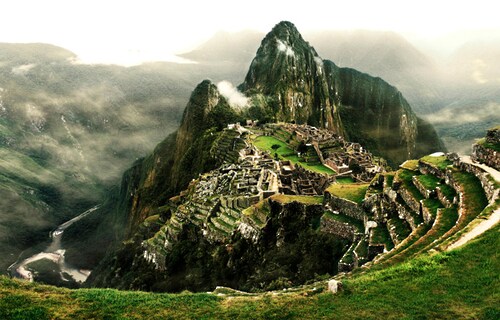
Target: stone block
334	286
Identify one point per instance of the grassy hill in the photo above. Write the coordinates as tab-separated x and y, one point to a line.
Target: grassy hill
460	284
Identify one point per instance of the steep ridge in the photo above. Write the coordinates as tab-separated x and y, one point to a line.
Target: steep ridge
300	86
287	81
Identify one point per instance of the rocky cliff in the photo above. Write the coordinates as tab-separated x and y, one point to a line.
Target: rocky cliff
287	81
299	86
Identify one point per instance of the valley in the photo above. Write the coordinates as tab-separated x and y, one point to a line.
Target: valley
54	253
309	190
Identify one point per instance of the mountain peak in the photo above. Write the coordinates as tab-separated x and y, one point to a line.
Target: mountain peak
284	31
286	38
290	73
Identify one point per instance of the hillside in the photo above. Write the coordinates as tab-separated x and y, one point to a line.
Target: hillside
216	173
310	191
69	130
441	89
460	280
428	273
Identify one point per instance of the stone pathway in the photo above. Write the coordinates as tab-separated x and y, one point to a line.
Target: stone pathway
491	221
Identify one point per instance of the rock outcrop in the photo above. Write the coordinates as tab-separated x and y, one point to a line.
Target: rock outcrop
487	150
174	242
291	83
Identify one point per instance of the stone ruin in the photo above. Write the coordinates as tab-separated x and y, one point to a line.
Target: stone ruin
345	158
487	150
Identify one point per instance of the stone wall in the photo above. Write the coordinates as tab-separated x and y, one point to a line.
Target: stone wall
341	229
426	193
426	214
487	156
445	201
409	200
406	214
427	168
347	207
493	135
487	183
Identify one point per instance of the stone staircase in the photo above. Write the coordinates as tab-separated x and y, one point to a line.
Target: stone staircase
415	210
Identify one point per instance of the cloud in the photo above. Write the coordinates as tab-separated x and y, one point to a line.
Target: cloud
470	114
235	98
285	48
23	69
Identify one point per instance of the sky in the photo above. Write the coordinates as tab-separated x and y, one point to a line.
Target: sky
129	31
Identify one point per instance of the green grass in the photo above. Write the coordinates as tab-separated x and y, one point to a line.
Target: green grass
432	205
474	199
445	222
380	235
461	284
493	146
346	219
389	179
429	181
440	162
410	165
448	192
401	227
284	199
387	259
354	192
266	143
345	180
406	177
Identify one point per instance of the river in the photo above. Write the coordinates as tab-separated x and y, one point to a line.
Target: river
55	253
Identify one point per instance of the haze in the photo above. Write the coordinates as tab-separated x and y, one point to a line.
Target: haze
130	32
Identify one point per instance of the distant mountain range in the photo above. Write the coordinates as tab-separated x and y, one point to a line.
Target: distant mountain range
435	85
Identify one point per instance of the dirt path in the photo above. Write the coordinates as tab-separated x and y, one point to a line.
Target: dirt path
492	220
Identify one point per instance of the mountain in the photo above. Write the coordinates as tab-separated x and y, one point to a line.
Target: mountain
387	55
302	87
69	130
382	54
471	100
437	86
287	81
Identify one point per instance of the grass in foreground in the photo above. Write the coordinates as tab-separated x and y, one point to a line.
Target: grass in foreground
462	284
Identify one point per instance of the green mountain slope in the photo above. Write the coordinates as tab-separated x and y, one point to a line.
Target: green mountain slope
69	130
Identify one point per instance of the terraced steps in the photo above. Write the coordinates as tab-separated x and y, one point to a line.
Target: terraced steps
445	220
446	217
472	201
222	225
215	232
416	234
414	219
380	237
227	146
398	229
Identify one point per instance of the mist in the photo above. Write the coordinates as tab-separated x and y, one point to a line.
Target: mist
235	98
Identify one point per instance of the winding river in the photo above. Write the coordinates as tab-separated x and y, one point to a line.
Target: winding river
55	253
